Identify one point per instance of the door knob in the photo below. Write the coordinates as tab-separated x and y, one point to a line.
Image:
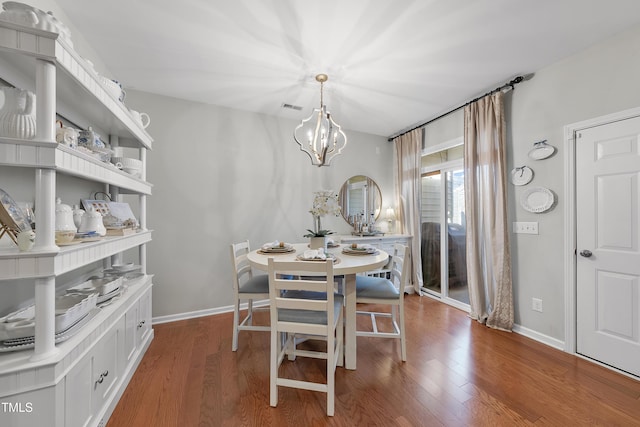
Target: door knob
586	253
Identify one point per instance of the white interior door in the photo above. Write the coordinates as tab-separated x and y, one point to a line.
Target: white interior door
608	239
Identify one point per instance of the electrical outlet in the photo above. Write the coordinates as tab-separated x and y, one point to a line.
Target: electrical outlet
536	304
525	227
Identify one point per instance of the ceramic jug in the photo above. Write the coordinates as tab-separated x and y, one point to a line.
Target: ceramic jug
92	221
64	217
77	216
66	135
17	116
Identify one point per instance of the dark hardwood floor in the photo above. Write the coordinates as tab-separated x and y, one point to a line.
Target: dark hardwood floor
458	373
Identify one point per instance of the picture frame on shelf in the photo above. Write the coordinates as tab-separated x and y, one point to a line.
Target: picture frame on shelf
12	218
118	218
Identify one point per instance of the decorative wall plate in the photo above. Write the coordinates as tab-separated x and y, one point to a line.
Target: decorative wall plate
542	150
522	175
537	199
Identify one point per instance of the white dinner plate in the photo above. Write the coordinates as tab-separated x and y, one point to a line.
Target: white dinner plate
522	175
537	199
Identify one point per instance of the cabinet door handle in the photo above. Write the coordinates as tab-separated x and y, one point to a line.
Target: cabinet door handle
141	324
101	378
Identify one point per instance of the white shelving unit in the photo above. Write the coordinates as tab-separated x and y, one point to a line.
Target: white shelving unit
78	381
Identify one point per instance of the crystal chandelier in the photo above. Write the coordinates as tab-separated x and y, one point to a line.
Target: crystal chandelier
318	135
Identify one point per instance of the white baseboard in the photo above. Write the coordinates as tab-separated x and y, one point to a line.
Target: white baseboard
537	336
201	313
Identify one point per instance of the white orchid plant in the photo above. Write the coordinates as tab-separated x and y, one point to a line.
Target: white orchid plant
325	202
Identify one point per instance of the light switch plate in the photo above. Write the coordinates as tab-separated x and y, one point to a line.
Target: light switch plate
525	227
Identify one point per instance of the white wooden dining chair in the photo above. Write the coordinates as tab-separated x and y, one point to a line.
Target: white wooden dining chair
304	307
247	287
386	291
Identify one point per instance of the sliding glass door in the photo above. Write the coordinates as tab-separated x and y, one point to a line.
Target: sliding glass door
444	268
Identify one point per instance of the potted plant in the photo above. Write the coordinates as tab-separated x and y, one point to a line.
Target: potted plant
325	202
318	239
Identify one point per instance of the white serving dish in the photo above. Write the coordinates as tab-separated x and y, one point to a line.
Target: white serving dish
122	268
23	343
127	162
70	308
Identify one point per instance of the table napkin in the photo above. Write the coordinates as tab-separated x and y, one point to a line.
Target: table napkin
364	246
314	254
274	244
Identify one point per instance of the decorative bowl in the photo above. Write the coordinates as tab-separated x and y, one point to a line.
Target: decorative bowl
127	162
65	236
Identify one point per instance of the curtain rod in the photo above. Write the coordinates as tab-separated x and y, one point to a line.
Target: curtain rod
511	84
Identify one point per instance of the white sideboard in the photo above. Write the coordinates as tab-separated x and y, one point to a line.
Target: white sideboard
76	382
384	242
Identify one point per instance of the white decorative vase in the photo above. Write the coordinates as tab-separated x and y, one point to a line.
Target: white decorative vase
26	239
17	116
318	242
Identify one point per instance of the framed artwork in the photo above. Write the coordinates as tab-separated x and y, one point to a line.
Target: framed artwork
115	214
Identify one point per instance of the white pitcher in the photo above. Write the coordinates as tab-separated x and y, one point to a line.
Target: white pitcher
17	116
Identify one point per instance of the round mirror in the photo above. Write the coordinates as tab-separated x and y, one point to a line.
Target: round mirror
360	199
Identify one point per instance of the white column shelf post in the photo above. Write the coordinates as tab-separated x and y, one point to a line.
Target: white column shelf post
45	131
45	345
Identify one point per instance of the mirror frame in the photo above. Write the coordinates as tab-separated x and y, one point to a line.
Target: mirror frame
343	197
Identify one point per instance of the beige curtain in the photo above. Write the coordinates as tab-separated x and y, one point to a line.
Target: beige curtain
407	182
488	254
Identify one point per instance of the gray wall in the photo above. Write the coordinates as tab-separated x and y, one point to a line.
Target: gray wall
600	80
223	176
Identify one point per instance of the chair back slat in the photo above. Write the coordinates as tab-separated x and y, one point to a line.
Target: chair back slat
301	304
281	284
241	268
399	266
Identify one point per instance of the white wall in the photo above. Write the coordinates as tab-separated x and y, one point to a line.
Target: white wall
600	80
223	176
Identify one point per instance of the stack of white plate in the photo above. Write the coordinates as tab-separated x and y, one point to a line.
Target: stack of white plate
105	287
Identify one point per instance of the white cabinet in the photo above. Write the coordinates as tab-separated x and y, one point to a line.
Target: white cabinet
82	384
76	382
137	327
93	380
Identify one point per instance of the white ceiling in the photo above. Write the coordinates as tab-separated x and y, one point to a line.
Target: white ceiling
391	63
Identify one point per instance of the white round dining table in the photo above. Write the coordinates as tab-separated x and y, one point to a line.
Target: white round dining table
347	265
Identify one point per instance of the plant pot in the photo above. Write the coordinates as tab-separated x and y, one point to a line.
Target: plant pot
318	242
